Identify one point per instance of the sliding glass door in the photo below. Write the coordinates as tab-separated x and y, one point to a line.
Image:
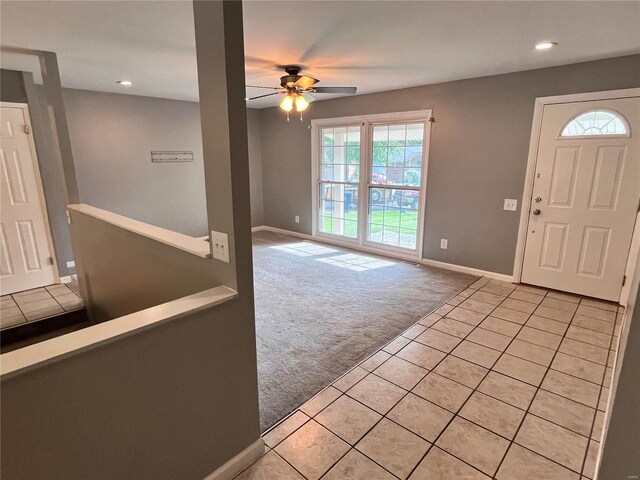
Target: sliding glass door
369	180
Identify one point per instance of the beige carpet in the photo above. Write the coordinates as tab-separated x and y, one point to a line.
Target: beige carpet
321	309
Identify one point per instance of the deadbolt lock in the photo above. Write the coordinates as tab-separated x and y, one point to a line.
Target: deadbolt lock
537	199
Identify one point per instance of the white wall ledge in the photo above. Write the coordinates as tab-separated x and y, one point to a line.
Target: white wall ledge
23	359
195	246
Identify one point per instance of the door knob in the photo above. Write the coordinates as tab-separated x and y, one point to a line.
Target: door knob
537	211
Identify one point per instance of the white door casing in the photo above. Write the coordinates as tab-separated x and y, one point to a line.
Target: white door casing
589	188
25	251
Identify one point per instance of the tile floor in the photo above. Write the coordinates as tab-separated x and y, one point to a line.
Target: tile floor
38	303
503	381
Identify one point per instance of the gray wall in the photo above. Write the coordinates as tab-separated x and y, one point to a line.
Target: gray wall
254	132
121	272
178	400
12	87
477	157
621	448
112	137
172	402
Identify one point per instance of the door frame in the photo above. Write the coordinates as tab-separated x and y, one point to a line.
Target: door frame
527	194
36	169
365	159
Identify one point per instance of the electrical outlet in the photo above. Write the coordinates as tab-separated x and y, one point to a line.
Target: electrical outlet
220	246
510	204
444	243
297	218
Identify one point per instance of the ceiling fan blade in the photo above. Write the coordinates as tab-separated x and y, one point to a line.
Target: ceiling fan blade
259	86
310	98
261	96
306	82
344	90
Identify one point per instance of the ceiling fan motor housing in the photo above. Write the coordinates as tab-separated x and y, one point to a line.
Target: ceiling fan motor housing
292	76
289	80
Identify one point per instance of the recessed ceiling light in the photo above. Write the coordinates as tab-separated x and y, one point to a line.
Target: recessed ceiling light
125	83
545	45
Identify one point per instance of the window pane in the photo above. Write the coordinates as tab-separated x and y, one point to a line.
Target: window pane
379	175
415	131
339	155
393	217
407	239
412	177
327	154
396	156
327	172
397	135
340	136
353	173
380	135
376	195
353	136
380	156
353	155
338	209
327	136
413	156
391	236
395	175
402	152
596	122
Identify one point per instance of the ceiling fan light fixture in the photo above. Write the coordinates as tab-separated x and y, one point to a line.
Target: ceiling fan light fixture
287	103
301	103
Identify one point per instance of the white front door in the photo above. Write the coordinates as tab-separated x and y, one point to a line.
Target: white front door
585	197
25	258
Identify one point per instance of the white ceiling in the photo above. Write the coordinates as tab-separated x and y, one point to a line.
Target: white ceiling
373	45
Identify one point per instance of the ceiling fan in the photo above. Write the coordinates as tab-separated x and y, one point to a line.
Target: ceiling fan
296	87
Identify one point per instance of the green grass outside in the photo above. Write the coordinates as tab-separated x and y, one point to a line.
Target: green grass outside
408	219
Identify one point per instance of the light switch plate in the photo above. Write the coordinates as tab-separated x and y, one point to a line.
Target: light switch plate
444	243
510	204
297	219
220	246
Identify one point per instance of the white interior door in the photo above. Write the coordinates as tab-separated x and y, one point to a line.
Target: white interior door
585	197
25	258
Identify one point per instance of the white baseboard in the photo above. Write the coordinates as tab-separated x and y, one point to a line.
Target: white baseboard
469	270
266	228
238	463
66	279
424	261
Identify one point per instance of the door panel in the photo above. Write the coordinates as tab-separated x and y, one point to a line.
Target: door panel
563	178
606	181
595	241
585	198
25	256
553	248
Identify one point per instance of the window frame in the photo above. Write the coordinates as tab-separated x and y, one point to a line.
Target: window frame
366	123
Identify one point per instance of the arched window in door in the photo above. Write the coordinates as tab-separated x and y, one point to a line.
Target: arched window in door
596	123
